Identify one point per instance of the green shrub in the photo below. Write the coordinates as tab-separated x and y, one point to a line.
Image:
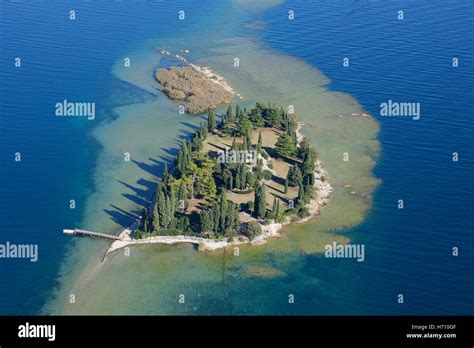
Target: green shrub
291	211
267	175
253	229
250	205
303	212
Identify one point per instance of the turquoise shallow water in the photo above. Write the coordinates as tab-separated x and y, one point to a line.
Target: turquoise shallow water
406	251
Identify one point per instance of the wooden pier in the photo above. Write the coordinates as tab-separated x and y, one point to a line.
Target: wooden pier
79	232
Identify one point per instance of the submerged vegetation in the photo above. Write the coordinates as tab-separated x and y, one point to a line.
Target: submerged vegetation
232	176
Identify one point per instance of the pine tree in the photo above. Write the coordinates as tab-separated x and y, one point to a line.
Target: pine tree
295	177
256	116
197	143
244	125
285	146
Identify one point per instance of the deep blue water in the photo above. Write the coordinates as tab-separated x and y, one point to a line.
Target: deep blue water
408	251
60	59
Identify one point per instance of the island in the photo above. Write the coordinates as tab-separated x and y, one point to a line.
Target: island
199	88
238	179
193	87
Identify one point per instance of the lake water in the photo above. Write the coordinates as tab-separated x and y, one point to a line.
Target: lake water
287	62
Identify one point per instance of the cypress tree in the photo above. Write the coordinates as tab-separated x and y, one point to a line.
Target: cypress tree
286	185
179	163
260	201
263	200
237	179
156	218
301	194
172	200
256	194
230	116
144	219
161	202
183	196
223	211
211	121
169	212
216	214
259	144
207	221
259	170
244	143
166	174
237	111
248	140
242	175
